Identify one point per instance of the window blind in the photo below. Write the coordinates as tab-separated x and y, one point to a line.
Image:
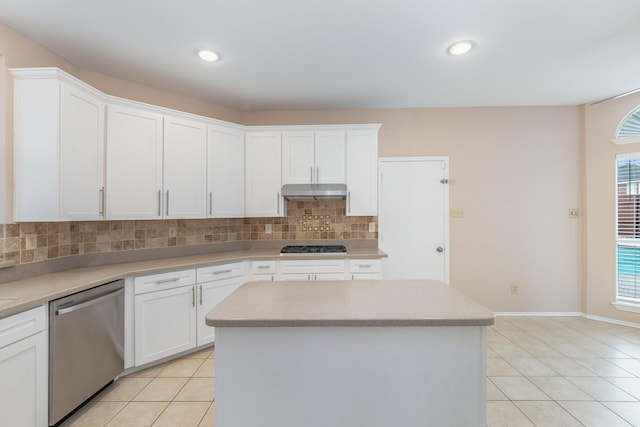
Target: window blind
628	228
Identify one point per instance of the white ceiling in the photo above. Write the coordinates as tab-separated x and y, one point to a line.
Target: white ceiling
334	54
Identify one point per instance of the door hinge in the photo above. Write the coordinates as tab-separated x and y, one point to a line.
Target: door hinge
444	181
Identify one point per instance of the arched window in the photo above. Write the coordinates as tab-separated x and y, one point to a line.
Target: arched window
629	129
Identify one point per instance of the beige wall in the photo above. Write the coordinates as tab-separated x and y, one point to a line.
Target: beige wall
602	121
517	172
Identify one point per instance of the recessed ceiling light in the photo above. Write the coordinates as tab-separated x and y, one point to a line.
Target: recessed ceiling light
208	55
460	48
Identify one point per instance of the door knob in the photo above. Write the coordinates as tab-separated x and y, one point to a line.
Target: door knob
440	249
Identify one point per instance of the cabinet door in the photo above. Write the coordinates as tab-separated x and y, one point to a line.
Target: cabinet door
165	323
225	172
81	155
59	143
362	167
36	135
330	153
23	389
211	294
298	163
185	168
134	164
263	175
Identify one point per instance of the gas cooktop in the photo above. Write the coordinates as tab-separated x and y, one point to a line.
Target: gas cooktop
313	250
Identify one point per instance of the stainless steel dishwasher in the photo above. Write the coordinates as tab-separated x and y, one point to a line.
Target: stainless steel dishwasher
86	346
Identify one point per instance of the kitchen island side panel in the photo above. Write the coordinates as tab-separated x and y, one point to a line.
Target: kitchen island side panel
351	376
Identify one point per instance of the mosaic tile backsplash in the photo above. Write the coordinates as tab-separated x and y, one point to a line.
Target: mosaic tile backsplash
305	220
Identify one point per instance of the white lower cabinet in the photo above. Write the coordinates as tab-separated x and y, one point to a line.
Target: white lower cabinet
222	281
23	369
263	270
170	308
165	323
364	269
325	269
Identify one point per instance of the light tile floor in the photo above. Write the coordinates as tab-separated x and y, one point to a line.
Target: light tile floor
178	393
541	371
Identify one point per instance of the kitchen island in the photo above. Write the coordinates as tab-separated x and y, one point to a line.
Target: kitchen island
376	353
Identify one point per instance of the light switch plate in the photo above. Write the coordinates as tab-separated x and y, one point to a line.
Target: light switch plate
268	229
456	212
372	227
31	241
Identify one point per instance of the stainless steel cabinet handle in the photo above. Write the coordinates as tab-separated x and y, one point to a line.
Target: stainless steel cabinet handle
159	202
311	174
278	203
200	294
173	279
261	267
317	175
87	303
210	203
102	202
167	202
193	296
222	272
364	265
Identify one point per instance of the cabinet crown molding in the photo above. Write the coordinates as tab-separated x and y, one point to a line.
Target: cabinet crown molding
57	73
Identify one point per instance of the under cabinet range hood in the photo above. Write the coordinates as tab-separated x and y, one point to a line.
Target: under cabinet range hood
310	192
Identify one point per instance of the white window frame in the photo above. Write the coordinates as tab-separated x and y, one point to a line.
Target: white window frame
622	302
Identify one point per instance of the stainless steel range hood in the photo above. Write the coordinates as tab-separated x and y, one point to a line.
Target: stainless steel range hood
310	192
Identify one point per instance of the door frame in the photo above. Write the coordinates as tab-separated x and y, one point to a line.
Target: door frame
445	159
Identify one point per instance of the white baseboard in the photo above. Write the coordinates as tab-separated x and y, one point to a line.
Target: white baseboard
566	314
539	313
614	321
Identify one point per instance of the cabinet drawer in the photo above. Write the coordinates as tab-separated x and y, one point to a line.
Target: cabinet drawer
222	271
22	325
312	266
157	282
364	266
263	267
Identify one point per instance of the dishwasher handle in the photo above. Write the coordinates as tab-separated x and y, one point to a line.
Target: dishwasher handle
86	303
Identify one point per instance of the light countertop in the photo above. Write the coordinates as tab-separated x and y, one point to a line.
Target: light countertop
348	303
21	295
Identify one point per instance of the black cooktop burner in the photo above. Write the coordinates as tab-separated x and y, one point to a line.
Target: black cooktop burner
314	249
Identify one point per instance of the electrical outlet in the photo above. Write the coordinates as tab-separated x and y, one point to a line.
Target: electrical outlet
372	227
31	241
514	289
456	212
172	232
268	229
574	213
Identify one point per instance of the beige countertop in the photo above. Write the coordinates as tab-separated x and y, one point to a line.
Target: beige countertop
20	295
348	303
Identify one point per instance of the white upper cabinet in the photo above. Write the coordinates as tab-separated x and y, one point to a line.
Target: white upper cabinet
330	156
134	163
165	164
185	168
263	174
313	157
225	172
362	172
156	165
59	147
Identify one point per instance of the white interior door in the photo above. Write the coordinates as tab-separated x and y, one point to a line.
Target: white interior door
413	220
